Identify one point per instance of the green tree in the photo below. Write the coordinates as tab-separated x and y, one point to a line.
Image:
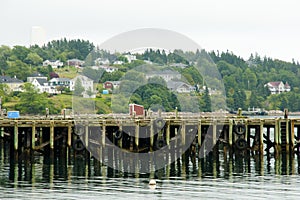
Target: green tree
32	102
19	69
78	88
19	53
33	59
207	101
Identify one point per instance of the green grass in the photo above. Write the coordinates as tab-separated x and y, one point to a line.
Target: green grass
67	72
65	101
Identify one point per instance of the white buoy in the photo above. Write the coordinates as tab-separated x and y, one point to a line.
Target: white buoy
152	182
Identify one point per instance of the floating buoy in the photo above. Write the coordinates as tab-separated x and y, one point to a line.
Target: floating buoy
152	182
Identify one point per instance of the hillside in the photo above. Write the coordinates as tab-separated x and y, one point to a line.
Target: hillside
244	80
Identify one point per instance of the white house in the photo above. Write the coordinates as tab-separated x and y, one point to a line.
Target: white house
102	61
180	87
118	62
87	84
53	63
130	58
167	75
34	76
278	87
43	86
65	82
108	69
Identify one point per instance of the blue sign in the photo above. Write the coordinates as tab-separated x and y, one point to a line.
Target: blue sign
105	92
13	114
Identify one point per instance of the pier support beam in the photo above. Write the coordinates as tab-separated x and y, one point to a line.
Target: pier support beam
86	142
168	133
16	135
261	136
183	133
230	132
2	132
69	143
33	136
214	132
103	135
199	133
287	132
137	134
120	143
151	135
292	133
52	135
276	132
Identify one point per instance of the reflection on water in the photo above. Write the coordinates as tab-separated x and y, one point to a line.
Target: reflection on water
65	176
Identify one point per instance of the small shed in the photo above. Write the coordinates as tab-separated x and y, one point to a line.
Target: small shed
135	109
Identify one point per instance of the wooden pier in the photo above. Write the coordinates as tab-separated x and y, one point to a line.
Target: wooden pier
152	133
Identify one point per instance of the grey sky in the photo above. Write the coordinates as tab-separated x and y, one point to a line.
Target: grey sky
264	26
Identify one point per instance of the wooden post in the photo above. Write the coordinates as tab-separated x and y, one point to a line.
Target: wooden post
276	132
199	133
261	136
230	132
287	132
103	135
137	134
246	131
16	135
292	133
33	136
41	136
279	132
214	132
168	133
151	135
69	133
183	133
87	135
51	135
120	141
2	132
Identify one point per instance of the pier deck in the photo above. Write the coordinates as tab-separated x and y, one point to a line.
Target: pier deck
153	132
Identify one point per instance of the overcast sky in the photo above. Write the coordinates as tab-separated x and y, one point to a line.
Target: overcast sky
268	27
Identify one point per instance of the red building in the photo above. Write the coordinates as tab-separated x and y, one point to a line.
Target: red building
137	109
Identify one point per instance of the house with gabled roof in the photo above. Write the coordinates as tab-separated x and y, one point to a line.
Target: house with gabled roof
53	63
110	85
87	84
35	75
65	82
13	84
278	87
42	85
180	87
167	75
75	62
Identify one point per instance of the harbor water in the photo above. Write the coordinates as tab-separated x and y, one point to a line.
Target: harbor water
218	175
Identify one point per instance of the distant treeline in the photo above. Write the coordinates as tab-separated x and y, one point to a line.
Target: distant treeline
244	80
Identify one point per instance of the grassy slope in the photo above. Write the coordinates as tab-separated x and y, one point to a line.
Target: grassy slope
102	102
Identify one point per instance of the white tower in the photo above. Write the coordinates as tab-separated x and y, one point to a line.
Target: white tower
38	35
